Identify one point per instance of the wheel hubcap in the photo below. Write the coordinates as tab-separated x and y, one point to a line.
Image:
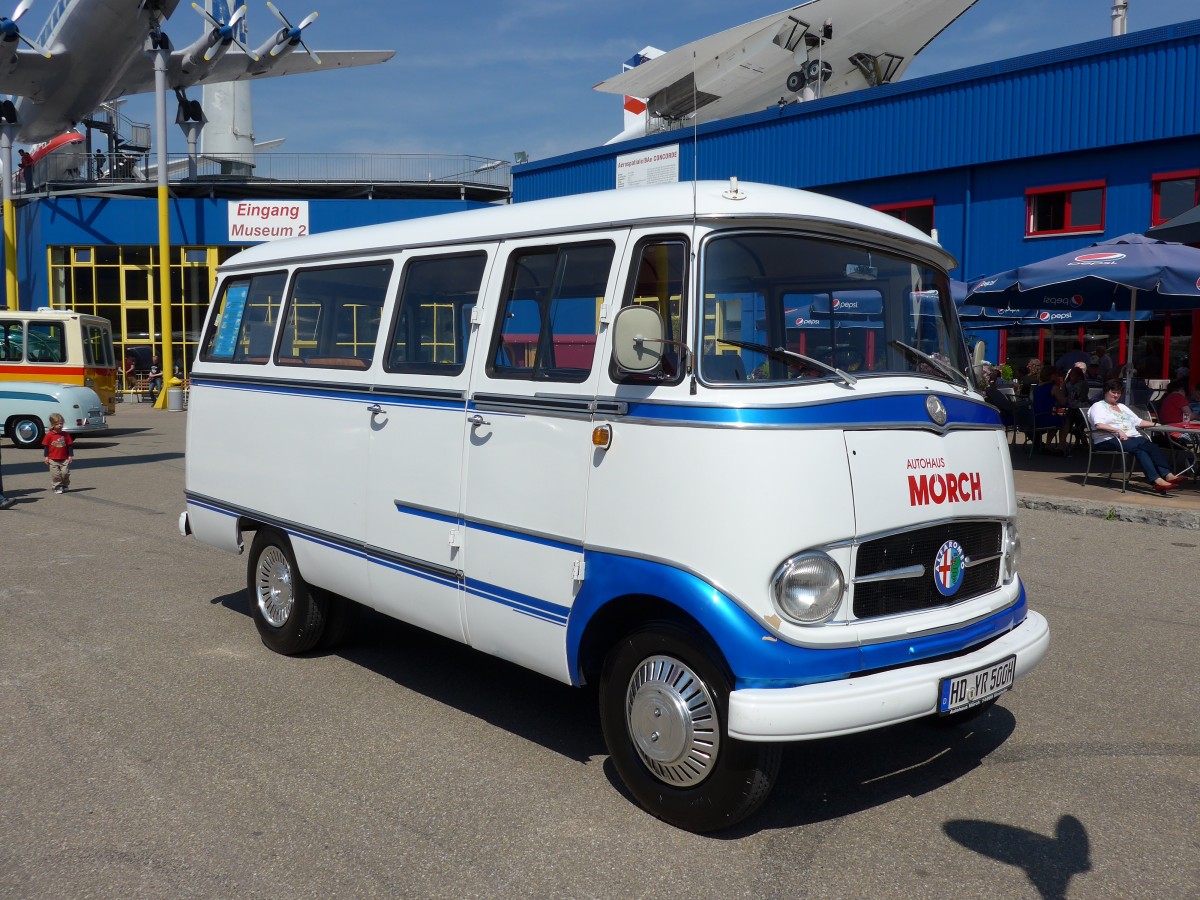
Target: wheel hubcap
672	721
26	431
273	587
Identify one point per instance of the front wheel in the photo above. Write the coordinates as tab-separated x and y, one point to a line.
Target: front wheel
663	709
290	617
26	431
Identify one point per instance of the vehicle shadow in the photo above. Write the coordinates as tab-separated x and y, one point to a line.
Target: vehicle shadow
856	772
554	715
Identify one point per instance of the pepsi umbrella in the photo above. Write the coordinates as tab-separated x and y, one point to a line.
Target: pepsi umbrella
1124	273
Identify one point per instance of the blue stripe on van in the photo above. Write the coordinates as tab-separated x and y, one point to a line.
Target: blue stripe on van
756	657
375	394
448	518
896	410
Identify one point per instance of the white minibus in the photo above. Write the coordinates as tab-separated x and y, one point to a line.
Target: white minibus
714	447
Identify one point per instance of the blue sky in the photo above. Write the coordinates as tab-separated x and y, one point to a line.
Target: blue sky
489	79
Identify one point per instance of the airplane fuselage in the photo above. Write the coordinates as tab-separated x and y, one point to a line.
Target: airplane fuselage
99	40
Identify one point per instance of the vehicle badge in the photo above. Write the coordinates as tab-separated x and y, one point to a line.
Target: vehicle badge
948	568
936	409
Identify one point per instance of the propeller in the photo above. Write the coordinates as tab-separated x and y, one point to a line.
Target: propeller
9	31
224	32
291	33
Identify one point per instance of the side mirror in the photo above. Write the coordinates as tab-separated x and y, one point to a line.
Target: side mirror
977	362
637	341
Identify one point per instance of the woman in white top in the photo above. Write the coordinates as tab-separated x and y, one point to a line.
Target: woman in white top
1116	428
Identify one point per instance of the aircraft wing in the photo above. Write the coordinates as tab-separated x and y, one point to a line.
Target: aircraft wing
652	76
33	75
745	68
237	66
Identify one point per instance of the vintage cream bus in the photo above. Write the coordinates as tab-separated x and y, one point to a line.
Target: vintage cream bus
715	448
59	347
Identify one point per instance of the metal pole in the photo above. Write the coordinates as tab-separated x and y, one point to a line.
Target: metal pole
161	55
1129	349
10	217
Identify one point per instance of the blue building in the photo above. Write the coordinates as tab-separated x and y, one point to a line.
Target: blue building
89	242
1007	163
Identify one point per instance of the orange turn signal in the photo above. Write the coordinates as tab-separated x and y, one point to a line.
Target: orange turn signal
602	436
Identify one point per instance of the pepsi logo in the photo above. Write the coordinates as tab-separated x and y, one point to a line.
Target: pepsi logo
1044	316
1098	257
1077	300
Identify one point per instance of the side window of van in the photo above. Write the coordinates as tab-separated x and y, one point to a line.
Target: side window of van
46	342
12	341
658	278
433	314
247	312
549	313
333	316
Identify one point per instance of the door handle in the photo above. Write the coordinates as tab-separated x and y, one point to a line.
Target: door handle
375	409
477	420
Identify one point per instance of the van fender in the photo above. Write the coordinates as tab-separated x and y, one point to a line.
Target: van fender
755	656
212	524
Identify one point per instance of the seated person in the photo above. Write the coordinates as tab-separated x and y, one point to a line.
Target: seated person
1173	409
1029	380
1116	429
1044	398
1075	387
1075	355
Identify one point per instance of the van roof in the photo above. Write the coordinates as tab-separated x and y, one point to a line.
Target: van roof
667	203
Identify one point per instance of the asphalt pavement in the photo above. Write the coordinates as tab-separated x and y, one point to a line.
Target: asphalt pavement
150	746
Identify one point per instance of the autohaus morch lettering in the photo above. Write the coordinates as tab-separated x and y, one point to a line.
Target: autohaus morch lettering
938	487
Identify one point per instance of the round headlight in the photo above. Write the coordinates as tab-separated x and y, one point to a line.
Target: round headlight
808	588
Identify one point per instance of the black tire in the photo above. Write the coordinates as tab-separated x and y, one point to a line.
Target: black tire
26	431
954	720
796	82
340	620
289	616
665	681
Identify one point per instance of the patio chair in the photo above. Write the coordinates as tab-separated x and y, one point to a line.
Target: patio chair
1127	460
1040	418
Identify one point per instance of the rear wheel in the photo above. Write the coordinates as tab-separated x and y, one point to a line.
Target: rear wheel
663	708
26	431
289	616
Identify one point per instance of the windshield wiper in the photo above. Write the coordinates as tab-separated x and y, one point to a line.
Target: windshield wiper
946	370
785	356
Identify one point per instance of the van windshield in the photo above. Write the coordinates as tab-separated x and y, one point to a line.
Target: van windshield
853	308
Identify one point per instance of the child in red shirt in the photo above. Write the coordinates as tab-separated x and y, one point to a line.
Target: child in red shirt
59	451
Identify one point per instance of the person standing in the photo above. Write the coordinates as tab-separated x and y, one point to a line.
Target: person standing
59	450
26	167
156	377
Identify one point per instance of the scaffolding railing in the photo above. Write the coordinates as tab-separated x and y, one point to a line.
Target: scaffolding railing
75	165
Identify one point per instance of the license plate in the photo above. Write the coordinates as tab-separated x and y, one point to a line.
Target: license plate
961	692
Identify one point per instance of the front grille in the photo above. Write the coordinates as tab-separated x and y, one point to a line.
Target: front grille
919	547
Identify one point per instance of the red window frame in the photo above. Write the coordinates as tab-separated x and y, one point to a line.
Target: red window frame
893	208
1156	181
1067	190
